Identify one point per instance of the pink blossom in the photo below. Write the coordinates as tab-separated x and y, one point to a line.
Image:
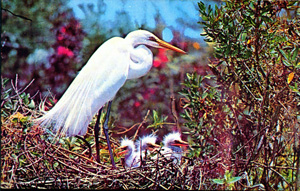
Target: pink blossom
64	51
60	37
156	63
137	104
162	55
161	60
152	91
63	30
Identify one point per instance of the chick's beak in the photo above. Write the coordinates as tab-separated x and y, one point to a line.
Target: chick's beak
166	45
152	146
123	150
180	143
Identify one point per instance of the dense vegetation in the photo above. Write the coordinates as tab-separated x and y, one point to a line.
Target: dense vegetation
237	104
247	114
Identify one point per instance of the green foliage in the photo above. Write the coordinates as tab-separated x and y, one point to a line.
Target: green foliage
200	110
29	43
249	111
158	121
14	100
17	31
228	180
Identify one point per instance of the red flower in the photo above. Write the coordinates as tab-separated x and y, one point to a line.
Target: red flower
162	55
152	91
137	104
147	94
161	60
63	30
64	51
156	63
60	37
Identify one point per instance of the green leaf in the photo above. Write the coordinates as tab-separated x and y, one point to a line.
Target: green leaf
155	116
24	119
284	54
55	164
234	179
219	181
201	6
295	54
31	105
287	63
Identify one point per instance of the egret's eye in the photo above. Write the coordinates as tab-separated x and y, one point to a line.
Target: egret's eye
152	38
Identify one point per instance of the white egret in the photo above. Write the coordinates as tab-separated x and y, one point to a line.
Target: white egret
115	61
133	154
172	146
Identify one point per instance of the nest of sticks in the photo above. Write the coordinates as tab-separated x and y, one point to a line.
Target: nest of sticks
29	160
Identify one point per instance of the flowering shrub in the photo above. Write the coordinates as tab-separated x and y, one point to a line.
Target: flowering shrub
63	51
66	59
161	60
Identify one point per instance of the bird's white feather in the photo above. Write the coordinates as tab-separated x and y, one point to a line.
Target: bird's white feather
171	137
141	143
169	151
89	92
132	156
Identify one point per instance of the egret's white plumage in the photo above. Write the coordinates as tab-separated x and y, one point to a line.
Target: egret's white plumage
146	142
131	156
172	146
115	61
134	152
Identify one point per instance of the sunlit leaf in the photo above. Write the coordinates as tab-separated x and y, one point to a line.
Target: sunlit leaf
17	117
77	148
55	164
290	77
31	105
285	55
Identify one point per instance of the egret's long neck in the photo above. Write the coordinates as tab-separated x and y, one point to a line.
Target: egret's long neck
141	59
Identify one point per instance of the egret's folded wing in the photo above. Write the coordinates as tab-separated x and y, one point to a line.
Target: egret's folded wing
97	83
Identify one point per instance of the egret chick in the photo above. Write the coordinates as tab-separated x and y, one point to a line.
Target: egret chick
131	156
147	143
172	146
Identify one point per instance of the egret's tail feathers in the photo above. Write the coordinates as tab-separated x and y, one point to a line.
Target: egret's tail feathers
72	114
62	124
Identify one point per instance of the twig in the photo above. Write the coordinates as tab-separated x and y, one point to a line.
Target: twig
144	121
152	180
273	171
174	113
22	17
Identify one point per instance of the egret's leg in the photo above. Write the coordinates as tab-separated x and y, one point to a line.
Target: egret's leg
96	132
87	143
105	129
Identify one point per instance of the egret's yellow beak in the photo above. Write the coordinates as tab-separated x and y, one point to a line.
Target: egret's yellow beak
166	45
